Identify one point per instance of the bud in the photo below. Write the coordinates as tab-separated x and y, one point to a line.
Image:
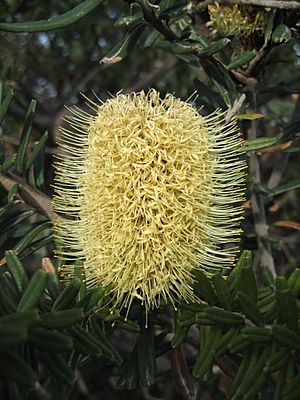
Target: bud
149	191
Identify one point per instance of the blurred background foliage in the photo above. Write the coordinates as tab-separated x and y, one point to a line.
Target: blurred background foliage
173	46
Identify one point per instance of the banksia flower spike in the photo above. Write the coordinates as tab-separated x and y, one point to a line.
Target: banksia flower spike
237	19
149	191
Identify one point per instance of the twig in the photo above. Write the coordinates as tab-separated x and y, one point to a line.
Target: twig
236	107
32	196
16	142
157	23
283	5
258	207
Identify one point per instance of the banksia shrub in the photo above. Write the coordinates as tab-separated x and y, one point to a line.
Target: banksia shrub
148	191
236	19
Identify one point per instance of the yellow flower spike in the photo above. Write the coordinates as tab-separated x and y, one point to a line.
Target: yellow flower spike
148	191
236	19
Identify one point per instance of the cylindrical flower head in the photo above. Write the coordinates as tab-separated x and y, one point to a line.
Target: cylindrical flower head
149	191
237	19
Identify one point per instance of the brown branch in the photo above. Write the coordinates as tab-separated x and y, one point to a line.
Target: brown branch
30	195
16	142
157	23
283	5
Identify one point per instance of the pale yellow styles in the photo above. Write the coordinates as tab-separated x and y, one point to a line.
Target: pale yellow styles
236	19
148	191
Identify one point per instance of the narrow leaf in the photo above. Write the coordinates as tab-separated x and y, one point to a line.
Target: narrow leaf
56	22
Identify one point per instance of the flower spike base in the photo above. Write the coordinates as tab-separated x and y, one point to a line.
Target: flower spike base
148	190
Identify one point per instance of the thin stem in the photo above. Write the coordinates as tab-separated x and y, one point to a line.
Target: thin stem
283	5
264	256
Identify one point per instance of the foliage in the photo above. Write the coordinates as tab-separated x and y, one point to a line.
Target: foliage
56	338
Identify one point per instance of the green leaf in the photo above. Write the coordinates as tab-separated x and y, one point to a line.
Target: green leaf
16	270
34	291
250	117
213	48
203	287
259	143
16	220
85	342
249	308
286	337
8	162
281	34
214	98
4	106
7	304
68	295
56	22
241	60
210	337
29	237
12	335
295	184
220	316
128	20
92	299
294	282
25	137
146	356
287	306
38	147
16	370
58	367
257	334
151	39
27	319
61	319
106	345
12	193
49	340
129	375
119	52
222	290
